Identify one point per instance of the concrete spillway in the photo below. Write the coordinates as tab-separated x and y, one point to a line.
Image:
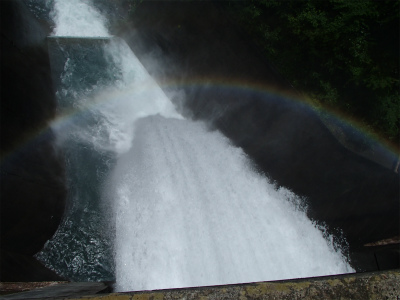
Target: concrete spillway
186	206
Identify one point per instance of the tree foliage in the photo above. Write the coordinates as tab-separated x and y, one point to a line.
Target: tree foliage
343	54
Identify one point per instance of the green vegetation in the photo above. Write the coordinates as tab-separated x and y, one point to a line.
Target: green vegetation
341	54
132	5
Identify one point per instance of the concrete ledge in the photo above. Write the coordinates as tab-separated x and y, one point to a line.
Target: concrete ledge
57	290
363	286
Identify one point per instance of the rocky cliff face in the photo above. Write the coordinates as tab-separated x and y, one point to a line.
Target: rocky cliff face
32	176
215	65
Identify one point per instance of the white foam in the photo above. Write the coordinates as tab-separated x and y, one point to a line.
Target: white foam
78	18
134	96
191	212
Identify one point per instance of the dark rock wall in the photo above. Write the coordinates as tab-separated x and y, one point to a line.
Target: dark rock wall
32	175
286	140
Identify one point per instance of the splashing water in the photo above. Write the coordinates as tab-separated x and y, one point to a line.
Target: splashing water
187	207
190	211
102	89
78	18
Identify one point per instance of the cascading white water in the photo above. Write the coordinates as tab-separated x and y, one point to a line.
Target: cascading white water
78	18
187	206
190	211
102	90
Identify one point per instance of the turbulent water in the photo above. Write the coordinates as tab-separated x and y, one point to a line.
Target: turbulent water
155	200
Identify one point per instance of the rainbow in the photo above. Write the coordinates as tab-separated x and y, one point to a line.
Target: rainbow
240	86
244	86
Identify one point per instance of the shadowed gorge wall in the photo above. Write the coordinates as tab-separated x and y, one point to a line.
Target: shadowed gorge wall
209	58
32	176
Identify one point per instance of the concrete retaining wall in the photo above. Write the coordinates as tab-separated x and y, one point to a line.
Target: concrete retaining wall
385	285
374	285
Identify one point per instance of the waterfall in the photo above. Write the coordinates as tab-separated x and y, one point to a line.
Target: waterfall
156	200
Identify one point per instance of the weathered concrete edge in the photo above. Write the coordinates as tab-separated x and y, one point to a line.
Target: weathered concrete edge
373	285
